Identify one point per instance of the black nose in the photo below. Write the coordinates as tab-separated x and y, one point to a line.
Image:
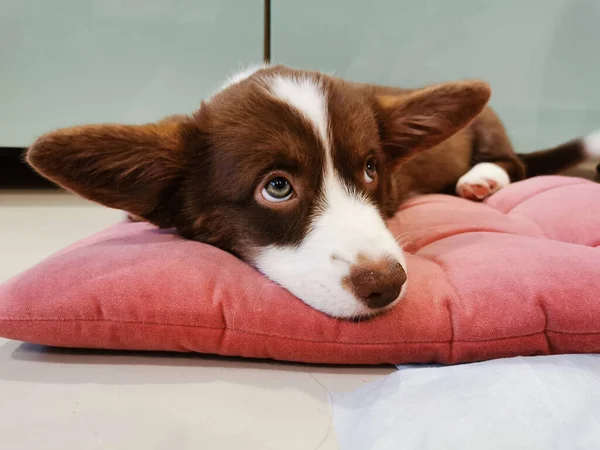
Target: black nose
377	283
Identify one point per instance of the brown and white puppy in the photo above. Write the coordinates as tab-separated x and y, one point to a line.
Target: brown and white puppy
295	172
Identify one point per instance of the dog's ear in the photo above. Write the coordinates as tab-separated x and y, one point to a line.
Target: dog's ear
135	168
423	118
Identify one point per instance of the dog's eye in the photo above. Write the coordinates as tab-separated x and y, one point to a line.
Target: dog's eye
370	169
277	189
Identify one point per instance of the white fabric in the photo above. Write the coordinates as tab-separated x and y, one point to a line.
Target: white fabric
543	402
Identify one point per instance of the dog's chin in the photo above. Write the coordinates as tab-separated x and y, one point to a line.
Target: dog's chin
371	314
321	285
357	311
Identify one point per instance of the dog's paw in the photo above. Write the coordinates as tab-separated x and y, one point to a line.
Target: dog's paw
482	181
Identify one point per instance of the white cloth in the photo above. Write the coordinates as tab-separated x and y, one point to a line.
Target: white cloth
542	402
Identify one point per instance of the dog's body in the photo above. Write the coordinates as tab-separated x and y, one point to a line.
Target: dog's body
295	172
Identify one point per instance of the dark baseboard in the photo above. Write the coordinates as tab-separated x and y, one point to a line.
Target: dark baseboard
16	174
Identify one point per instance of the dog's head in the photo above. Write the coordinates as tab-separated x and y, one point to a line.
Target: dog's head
289	170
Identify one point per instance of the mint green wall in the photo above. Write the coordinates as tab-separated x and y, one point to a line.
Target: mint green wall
64	62
540	56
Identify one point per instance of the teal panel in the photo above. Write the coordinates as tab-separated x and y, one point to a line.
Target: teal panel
540	56
66	62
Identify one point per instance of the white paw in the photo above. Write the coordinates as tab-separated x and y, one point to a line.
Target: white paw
481	181
592	144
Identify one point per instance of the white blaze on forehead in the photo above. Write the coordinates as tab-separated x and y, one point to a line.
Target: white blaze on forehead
307	96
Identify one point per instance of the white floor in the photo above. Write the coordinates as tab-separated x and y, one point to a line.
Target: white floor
74	400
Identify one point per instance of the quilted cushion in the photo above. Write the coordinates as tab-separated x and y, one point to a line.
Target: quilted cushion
518	275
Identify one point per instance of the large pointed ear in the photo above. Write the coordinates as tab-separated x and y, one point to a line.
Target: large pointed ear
135	168
423	118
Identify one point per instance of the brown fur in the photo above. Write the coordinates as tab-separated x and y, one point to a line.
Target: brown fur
119	166
201	173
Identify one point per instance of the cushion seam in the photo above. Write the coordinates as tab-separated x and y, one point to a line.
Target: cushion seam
541	192
449	307
296	338
481	230
536	225
545	313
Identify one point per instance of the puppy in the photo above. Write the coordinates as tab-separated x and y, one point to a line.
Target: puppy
296	172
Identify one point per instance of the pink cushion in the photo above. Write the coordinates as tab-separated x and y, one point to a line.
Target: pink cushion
519	275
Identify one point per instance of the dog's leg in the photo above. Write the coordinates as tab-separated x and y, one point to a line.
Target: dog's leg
494	164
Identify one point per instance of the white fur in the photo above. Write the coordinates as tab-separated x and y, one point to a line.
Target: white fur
306	96
347	225
479	175
592	144
243	74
